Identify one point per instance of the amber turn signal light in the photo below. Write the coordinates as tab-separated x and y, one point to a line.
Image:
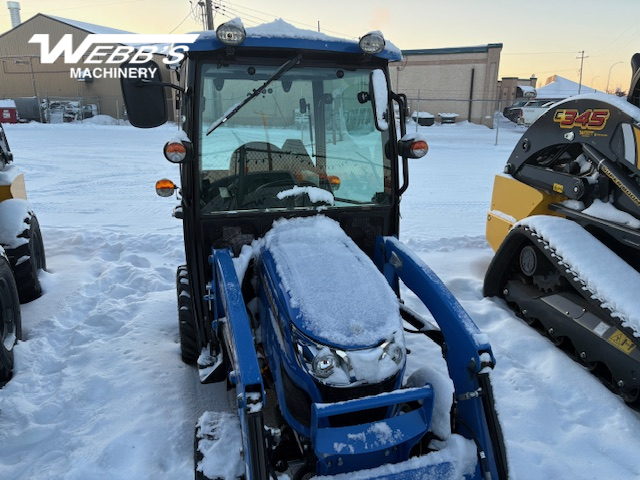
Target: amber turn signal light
165	188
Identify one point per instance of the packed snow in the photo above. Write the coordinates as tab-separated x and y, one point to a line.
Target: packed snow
100	391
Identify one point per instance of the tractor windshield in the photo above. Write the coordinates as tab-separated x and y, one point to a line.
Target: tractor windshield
308	140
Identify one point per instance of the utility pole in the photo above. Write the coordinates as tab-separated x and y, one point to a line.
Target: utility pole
581	57
209	12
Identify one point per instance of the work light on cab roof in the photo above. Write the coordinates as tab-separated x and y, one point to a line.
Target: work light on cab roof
231	33
372	43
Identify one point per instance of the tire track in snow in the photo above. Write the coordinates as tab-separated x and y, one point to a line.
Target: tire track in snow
101	319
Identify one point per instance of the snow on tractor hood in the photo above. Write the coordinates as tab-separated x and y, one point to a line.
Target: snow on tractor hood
336	294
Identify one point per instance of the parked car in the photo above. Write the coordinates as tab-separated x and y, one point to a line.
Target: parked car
528	111
507	111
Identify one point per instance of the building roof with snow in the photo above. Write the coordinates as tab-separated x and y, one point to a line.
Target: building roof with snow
88	27
7	104
559	88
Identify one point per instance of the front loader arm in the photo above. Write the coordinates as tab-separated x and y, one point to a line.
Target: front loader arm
230	311
467	351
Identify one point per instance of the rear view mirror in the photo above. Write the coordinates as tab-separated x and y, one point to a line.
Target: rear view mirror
379	96
144	97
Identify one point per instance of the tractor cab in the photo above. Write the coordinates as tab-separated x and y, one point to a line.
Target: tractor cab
278	126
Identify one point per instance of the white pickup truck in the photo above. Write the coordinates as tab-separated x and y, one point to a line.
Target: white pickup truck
531	111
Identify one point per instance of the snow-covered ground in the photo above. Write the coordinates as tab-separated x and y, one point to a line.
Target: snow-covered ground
99	390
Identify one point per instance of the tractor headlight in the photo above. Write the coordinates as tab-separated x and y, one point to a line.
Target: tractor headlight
372	43
394	352
342	368
320	361
231	33
324	364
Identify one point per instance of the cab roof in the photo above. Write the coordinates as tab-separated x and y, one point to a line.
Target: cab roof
280	34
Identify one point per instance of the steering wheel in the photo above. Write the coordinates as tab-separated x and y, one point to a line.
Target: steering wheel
260	195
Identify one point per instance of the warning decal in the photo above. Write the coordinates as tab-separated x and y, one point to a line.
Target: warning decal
622	342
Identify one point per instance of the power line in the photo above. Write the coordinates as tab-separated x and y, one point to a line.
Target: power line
610	44
183	20
536	53
252	17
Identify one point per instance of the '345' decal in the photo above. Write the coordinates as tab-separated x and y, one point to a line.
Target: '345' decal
590	119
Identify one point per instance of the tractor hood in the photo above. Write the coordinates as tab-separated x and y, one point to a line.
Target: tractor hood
333	292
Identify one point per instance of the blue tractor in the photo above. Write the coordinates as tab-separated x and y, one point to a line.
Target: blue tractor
293	159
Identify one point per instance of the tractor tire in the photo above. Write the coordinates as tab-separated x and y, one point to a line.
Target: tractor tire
186	318
10	320
27	260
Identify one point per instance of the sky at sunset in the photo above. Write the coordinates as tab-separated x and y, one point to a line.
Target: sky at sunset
540	38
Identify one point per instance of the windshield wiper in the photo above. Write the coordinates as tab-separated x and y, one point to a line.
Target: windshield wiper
236	108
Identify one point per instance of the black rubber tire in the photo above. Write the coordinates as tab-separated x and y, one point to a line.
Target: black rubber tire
26	271
304	473
10	320
186	318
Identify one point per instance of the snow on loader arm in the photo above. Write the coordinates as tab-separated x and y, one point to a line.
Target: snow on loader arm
292	170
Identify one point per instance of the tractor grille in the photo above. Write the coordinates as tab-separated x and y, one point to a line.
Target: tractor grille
332	395
299	403
297	400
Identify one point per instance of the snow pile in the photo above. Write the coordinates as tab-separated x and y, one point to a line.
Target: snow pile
459	452
220	435
280	28
102	120
315	194
14	214
606	211
9	174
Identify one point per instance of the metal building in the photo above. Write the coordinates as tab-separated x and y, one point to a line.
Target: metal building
460	81
24	78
